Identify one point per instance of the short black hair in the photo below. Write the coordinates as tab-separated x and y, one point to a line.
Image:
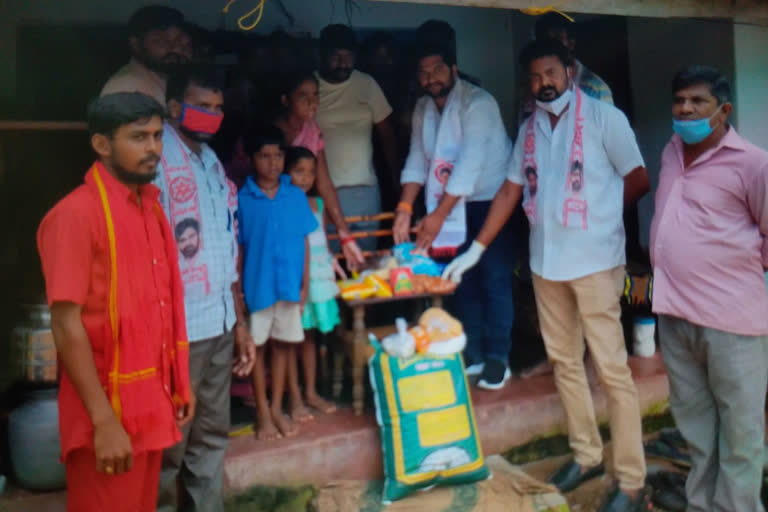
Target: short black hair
338	37
111	111
544	48
291	81
179	82
262	135
154	17
438	33
704	75
552	22
181	227
295	153
429	50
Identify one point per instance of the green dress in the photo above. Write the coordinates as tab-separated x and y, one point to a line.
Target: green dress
321	311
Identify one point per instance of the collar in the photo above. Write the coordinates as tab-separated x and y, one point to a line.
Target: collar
144	70
731	140
254	189
206	156
114	187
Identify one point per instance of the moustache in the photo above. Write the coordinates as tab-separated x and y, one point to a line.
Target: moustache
153	160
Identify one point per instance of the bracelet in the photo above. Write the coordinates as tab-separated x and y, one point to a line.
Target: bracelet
404	207
347	239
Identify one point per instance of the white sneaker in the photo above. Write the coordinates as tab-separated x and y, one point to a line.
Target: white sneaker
475	369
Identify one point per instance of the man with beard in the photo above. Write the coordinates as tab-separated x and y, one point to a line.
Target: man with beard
117	314
159	45
194	188
351	105
458	132
577	259
188	237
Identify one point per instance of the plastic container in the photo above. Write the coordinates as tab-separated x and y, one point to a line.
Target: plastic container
644	334
33	436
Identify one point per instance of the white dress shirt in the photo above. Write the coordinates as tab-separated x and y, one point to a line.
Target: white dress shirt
480	168
560	253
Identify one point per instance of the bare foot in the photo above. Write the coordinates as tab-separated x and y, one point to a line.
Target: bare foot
300	413
284	424
544	368
317	402
266	429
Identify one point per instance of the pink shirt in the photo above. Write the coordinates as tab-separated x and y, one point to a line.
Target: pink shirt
708	243
310	137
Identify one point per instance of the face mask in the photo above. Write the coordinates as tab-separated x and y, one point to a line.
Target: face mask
557	105
695	131
198	120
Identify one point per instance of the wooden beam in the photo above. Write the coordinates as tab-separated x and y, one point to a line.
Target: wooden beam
40	126
744	9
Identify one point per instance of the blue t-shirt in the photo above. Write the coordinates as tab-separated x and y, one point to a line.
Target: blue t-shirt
272	233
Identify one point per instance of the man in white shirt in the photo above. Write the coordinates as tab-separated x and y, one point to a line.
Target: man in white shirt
351	105
201	206
159	44
587	165
459	150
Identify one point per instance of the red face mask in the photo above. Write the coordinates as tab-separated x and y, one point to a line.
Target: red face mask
198	120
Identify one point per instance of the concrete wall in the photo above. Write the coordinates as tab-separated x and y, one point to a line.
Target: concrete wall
751	88
658	48
485	36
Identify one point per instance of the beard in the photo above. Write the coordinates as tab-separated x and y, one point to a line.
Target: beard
547	94
340	74
189	251
133	177
197	136
168	65
443	92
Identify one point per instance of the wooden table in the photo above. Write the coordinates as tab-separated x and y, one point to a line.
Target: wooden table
356	340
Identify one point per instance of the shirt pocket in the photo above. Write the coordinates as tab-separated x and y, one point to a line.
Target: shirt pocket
710	204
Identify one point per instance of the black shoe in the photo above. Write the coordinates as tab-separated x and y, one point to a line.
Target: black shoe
668	491
495	374
619	501
569	476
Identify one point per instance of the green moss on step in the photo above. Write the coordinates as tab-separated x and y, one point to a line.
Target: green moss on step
272	499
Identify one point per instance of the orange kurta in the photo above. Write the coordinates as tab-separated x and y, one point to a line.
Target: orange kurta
74	242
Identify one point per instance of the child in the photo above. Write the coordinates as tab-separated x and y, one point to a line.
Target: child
274	223
321	312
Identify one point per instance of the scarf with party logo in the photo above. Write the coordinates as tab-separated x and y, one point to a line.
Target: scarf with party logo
574	203
131	373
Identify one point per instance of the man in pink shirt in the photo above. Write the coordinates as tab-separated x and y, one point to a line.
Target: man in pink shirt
708	248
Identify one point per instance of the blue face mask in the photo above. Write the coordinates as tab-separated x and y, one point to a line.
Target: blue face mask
695	131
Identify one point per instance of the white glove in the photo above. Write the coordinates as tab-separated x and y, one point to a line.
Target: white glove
464	262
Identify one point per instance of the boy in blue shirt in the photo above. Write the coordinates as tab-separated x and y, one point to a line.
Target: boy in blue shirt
274	220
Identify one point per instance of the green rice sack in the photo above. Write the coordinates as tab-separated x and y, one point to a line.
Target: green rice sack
428	430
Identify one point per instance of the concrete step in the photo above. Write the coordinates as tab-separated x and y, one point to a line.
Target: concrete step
342	446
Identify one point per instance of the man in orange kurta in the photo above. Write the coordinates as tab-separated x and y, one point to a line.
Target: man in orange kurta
117	313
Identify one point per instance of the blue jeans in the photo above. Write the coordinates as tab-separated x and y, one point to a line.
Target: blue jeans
483	301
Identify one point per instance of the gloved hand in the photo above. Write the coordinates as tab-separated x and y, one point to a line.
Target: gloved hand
464	262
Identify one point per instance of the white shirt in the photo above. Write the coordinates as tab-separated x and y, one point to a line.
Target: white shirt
346	114
208	313
559	253
481	166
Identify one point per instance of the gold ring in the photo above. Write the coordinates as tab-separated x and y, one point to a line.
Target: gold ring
109	470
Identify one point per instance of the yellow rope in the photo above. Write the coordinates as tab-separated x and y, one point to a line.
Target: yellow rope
257	11
538	11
